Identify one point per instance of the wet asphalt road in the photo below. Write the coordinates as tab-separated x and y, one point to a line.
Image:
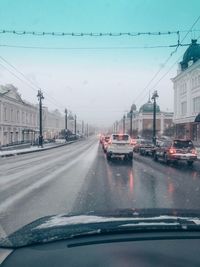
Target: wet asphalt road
77	178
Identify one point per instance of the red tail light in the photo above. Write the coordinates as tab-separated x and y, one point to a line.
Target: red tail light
133	142
194	152
172	151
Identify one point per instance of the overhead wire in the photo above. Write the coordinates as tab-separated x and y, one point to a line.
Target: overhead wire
178	45
28	82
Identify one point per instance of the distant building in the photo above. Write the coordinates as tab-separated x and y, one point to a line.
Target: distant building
142	121
187	94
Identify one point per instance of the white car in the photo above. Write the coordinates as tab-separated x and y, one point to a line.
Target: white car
119	145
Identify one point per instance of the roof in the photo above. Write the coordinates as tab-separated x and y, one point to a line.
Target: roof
148	108
191	54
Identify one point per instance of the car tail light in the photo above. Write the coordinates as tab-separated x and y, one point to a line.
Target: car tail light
172	151
133	142
194	151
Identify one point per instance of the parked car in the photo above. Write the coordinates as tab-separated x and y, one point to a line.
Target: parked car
146	147
176	150
105	142
119	145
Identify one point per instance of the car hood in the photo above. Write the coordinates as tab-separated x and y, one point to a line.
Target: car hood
66	226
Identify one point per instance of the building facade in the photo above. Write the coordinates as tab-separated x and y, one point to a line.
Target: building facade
142	121
19	120
186	87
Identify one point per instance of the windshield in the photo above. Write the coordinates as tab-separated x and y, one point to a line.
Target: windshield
90	94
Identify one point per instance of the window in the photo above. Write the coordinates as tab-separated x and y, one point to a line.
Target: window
23	117
11	115
183	108
18	116
5	114
196	104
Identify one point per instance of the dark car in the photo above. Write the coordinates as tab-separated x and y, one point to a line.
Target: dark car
146	147
176	150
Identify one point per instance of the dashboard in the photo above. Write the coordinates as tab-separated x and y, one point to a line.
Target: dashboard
138	249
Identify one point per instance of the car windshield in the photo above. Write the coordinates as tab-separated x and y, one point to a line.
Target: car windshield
97	100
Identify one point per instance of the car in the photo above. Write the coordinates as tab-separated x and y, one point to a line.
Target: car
137	145
176	150
119	145
105	142
101	138
146	147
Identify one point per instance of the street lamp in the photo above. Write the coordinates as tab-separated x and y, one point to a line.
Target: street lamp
40	98
131	122
75	124
66	113
124	117
154	96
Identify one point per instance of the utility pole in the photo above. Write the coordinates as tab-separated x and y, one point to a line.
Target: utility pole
87	130
131	123
66	114
124	117
82	127
75	124
40	98
154	96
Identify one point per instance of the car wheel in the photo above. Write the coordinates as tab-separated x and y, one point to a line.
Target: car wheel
166	160
108	156
155	157
189	163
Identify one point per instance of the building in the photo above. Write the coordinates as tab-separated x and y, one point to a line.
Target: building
142	121
19	120
53	123
187	94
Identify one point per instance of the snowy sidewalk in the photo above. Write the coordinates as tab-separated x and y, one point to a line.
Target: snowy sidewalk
32	149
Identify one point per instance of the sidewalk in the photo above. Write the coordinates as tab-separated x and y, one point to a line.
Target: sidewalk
32	149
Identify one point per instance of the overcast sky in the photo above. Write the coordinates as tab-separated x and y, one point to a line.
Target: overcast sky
99	85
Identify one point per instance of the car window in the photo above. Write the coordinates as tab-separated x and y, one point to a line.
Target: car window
118	137
183	144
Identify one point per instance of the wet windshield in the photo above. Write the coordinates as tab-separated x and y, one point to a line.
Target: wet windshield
92	93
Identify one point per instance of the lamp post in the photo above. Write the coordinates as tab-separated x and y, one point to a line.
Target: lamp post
75	124
131	122
66	113
124	117
40	98
154	96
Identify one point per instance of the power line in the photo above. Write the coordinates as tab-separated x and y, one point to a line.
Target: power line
87	48
32	85
89	34
179	44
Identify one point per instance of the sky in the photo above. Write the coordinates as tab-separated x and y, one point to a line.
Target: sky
97	78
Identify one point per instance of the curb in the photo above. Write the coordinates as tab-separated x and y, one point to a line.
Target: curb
36	150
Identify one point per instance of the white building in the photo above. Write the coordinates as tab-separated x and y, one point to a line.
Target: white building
19	120
142	120
187	94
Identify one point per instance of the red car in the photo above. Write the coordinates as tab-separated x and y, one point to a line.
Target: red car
176	150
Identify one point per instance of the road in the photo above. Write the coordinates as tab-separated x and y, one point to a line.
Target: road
77	178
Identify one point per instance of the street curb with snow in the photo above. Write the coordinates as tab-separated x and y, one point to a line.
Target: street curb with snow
28	151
